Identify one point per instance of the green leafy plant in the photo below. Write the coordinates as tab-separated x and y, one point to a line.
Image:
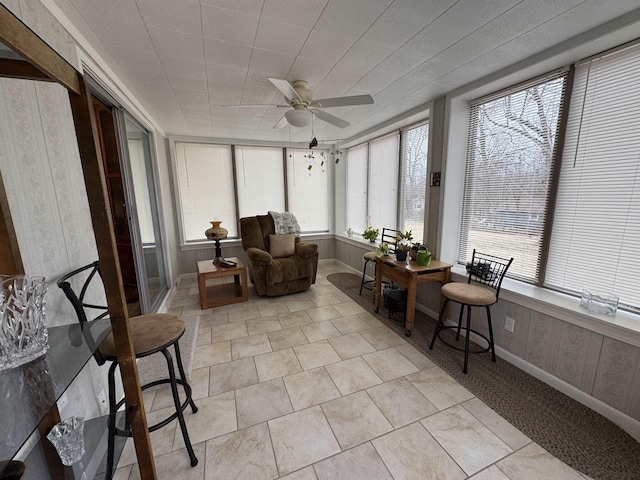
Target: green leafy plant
383	250
403	240
370	234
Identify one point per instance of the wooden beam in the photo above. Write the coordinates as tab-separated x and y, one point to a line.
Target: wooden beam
96	186
17	36
21	69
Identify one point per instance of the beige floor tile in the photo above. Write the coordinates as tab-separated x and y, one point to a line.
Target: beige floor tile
228	331
491	473
246	454
310	388
294	319
243	315
305	474
287	338
261	402
355	419
319	331
370	320
316	354
250	346
216	416
321	314
328	299
177	465
124	472
533	462
350	324
277	364
410	452
509	434
301	439
212	354
272	309
439	388
264	325
199	389
352	375
161	439
382	338
359	463
389	364
214	318
298	305
401	402
414	356
348	308
232	375
350	346
204	336
472	445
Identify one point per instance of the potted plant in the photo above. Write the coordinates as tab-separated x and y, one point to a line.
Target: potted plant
382	250
413	253
403	245
371	234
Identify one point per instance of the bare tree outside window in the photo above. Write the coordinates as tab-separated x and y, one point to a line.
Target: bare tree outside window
510	154
413	179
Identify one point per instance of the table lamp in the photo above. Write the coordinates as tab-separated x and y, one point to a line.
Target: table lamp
216	233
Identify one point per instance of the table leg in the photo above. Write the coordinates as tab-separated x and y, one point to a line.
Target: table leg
202	289
410	314
378	284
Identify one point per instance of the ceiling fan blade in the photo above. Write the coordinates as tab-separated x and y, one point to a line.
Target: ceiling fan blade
286	88
332	119
343	101
281	123
256	105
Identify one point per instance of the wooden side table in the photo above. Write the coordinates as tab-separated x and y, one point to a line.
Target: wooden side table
225	293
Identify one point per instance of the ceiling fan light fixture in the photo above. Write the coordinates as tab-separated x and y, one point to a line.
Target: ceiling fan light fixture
298	118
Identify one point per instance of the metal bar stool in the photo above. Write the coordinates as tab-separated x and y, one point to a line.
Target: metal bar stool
388	236
488	271
153	333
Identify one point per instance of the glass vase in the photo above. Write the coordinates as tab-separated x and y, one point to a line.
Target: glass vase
23	329
68	438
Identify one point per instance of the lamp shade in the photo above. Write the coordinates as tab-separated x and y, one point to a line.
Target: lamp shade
298	118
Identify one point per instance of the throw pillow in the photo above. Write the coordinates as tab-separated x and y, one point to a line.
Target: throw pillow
283	245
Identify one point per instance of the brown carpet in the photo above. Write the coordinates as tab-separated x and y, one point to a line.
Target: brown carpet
575	434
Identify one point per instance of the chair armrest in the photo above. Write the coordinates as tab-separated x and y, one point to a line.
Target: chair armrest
259	257
306	250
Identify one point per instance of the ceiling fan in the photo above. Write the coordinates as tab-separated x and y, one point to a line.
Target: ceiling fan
300	98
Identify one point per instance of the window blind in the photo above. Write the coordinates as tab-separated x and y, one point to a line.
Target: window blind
357	167
205	182
510	150
260	180
383	181
596	228
413	178
309	189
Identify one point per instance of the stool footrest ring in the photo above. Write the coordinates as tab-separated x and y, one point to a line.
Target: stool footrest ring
462	349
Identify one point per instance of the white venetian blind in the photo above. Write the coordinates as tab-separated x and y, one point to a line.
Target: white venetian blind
308	189
357	168
510	153
383	181
260	180
596	228
413	178
205	182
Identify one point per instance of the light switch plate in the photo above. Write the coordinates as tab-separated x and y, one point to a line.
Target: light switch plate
509	324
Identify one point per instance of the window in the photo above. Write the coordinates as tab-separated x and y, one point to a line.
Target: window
209	179
205	188
413	178
596	228
260	180
510	153
357	168
308	189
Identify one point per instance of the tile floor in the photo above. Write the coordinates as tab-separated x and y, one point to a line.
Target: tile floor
311	387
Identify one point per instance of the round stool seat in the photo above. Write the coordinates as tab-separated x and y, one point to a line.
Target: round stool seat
369	256
469	294
149	334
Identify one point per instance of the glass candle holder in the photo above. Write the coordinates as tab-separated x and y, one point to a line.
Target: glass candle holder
23	329
603	304
68	438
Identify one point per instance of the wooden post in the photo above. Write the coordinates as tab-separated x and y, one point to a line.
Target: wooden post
95	183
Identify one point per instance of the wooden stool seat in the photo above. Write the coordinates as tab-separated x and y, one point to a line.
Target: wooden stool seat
149	333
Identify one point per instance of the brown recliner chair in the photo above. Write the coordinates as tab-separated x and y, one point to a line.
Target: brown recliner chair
281	275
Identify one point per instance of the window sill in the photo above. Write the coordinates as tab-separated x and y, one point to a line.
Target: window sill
624	326
237	242
356	240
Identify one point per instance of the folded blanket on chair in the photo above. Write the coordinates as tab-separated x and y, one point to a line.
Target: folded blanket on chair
285	222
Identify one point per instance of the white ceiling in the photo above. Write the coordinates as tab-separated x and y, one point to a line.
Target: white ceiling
186	58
